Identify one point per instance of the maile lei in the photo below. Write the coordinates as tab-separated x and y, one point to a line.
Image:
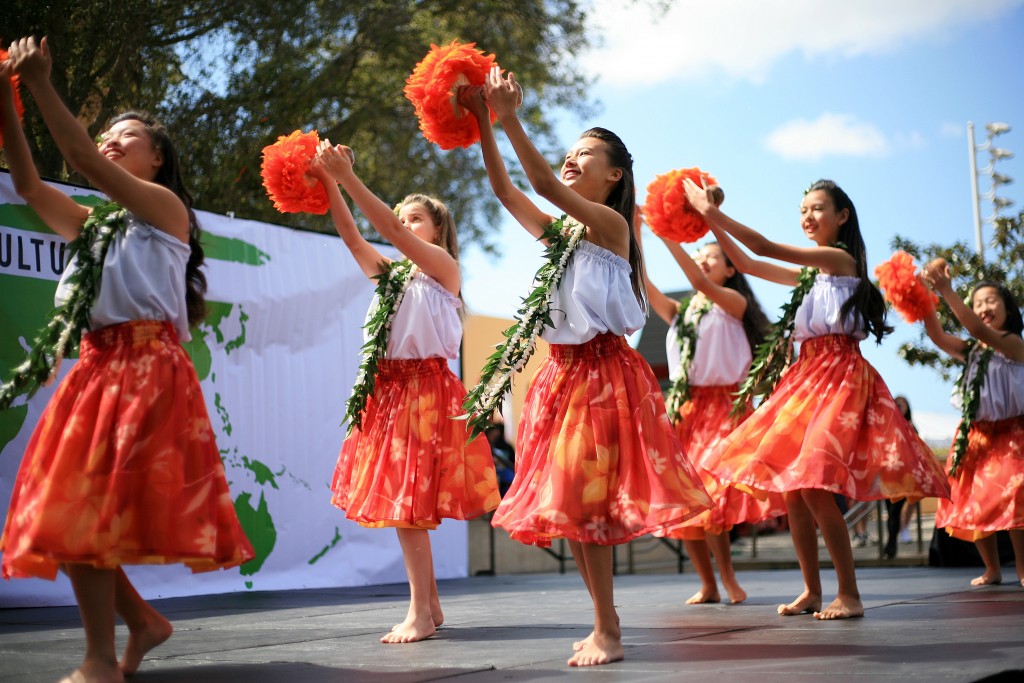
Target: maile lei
686	331
562	237
970	397
67	322
773	354
392	282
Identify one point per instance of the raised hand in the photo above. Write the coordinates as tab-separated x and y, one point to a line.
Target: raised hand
700	198
502	94
29	60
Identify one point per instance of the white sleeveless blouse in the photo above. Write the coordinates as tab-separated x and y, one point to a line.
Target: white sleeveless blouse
143	279
723	354
595	296
1002	393
427	324
818	315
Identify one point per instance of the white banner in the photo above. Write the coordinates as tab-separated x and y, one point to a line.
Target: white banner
277	358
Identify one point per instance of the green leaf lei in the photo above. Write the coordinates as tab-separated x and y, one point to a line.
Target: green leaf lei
970	397
679	392
562	237
773	354
67	322
392	282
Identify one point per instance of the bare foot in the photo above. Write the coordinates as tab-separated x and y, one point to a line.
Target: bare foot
142	640
580	644
736	595
806	603
987	579
704	595
410	631
599	649
843	607
436	616
92	671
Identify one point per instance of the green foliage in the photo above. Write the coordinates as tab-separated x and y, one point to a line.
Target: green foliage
229	77
1004	262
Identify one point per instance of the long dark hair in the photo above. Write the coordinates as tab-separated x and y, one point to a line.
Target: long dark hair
755	323
867	301
1014	322
623	200
169	175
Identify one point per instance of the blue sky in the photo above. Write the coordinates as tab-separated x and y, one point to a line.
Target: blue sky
769	96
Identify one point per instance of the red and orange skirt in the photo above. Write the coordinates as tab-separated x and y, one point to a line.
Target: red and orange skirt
830	424
988	489
122	467
704	420
598	461
410	466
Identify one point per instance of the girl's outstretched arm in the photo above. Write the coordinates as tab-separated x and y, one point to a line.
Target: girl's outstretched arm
57	210
153	203
511	197
606	227
950	343
936	274
366	255
731	301
831	260
765	270
431	259
664	306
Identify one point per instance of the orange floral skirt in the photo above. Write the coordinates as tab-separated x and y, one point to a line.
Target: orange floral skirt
830	424
598	461
122	467
988	490
409	466
704	421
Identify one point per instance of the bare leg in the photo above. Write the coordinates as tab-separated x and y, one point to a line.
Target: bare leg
833	529
605	645
721	549
94	590
989	552
147	628
576	548
419	562
698	552
805	542
1017	539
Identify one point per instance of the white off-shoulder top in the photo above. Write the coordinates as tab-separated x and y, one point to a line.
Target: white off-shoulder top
143	279
818	315
594	296
723	354
427	323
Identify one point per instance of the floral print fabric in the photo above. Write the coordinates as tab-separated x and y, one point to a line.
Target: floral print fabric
830	424
122	467
988	489
704	421
598	461
410	466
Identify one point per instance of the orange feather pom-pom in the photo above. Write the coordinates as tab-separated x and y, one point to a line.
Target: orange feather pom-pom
18	106
897	278
284	174
433	90
668	211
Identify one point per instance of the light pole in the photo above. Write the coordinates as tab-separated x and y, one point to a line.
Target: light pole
995	154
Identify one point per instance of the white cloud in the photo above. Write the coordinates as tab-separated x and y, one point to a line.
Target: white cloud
744	38
828	135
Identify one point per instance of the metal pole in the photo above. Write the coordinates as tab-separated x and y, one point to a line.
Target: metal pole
974	191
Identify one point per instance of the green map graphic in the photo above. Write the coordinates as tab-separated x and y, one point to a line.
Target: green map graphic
23	311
